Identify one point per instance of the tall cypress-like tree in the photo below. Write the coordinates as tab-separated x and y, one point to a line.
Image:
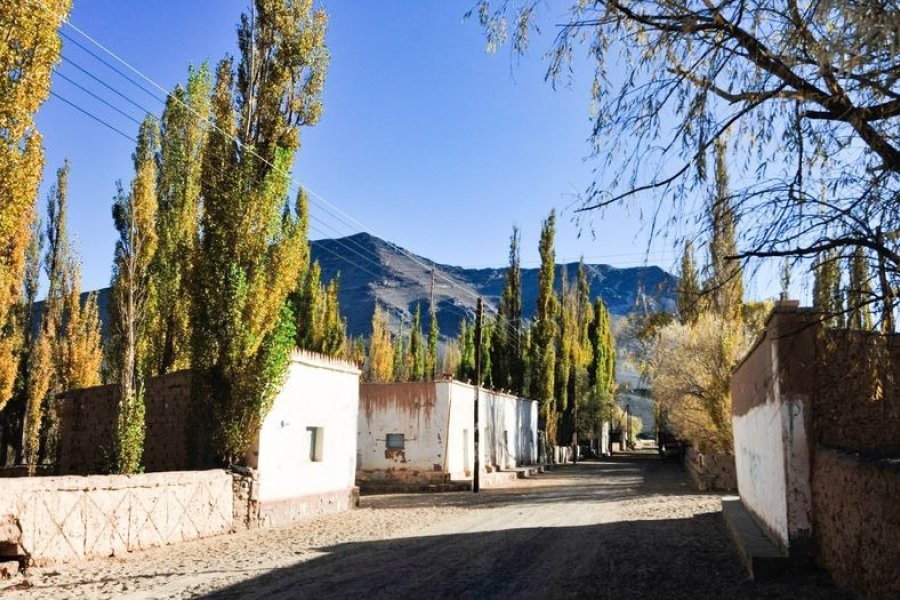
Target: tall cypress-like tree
29	51
182	140
431	359
544	331
827	296
417	347
465	370
859	292
726	286
507	361
688	290
42	376
12	416
251	248
381	353
602	371
134	214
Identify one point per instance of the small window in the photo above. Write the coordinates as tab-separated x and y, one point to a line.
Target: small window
396	441
316	438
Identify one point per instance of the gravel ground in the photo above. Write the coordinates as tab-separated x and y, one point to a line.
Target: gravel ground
621	528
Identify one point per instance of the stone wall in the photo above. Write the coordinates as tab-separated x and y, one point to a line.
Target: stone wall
857	392
89	415
72	518
710	471
857	520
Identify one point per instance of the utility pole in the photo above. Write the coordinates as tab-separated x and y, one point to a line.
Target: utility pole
476	474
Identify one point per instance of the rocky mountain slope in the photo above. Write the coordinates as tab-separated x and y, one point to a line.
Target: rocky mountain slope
371	268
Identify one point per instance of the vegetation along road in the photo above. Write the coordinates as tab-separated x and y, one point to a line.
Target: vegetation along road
620	528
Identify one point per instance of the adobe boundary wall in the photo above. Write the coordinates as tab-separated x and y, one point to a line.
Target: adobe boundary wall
707	472
857	518
51	519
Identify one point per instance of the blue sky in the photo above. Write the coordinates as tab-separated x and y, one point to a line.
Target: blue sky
426	140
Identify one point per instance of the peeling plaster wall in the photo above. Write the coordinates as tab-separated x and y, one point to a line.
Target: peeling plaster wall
418	410
437	420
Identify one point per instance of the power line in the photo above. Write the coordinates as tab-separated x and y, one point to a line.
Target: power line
98	119
236	140
252	152
98	98
106	124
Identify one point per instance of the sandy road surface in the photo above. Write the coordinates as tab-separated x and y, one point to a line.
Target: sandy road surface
622	528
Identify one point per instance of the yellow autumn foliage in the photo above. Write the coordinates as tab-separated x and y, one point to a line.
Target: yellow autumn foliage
28	53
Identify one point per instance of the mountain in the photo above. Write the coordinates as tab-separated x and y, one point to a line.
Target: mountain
371	268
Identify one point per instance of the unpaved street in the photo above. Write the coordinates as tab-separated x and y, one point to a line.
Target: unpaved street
621	528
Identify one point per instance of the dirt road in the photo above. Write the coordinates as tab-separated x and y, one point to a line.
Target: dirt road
621	528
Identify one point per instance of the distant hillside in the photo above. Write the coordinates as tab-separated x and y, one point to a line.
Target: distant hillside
371	268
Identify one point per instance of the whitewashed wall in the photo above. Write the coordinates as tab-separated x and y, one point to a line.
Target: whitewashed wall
759	460
318	392
418	410
437	419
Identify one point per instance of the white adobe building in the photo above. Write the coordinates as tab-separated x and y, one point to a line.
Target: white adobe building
423	432
305	455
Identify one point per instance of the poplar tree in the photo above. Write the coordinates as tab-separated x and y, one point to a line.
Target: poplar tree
687	296
726	285
417	347
506	346
12	416
42	375
400	371
544	331
602	370
859	291
182	138
431	359
465	370
80	350
134	214
251	247
29	51
381	354
827	296
566	334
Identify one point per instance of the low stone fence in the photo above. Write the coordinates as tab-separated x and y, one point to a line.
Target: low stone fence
69	518
707	472
857	517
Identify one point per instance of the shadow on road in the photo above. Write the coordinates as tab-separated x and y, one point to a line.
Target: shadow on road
677	558
609	479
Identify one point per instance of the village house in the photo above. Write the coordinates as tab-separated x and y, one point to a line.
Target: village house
302	463
423	432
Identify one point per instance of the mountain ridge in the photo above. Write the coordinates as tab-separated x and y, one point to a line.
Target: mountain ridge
371	268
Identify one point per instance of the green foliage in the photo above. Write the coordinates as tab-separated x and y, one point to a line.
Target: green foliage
135	217
130	431
543	361
465	370
859	293
416	359
507	357
180	158
688	291
431	359
252	248
827	296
